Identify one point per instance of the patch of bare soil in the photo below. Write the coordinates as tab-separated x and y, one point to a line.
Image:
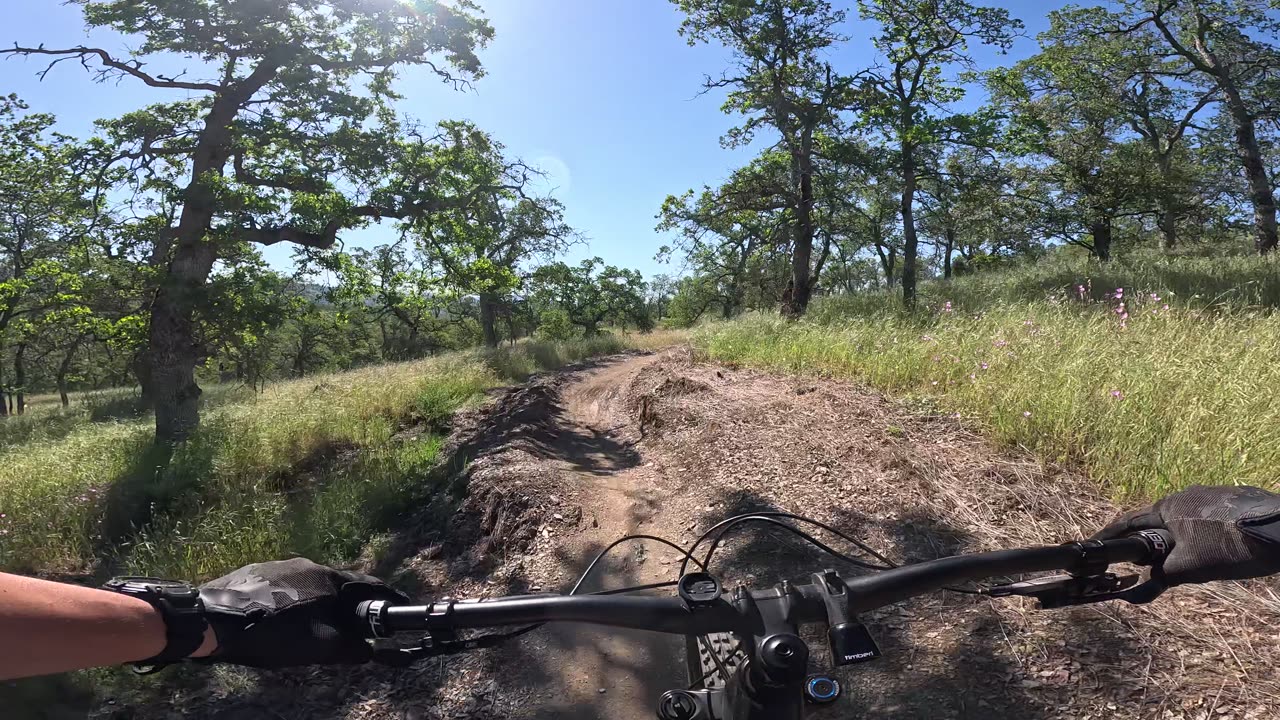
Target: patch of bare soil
663	445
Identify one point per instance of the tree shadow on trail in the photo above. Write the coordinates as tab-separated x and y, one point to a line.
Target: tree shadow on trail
614	672
948	655
944	656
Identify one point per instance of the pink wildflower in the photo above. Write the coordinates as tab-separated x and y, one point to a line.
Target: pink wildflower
1117	394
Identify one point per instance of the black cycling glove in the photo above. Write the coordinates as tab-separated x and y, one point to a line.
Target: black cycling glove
290	612
1219	533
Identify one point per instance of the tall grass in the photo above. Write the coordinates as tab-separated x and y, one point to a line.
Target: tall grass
1149	402
314	466
1189	280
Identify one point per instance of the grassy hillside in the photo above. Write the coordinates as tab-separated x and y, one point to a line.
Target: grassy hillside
1153	373
313	467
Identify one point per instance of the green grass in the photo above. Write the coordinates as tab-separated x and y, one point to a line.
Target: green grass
314	467
1164	399
1189	280
46	419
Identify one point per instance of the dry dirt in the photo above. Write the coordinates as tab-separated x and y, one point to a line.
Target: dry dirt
662	445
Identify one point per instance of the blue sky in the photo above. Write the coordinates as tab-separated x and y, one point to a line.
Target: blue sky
601	93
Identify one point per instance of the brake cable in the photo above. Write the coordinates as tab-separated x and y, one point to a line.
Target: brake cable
772	518
688	555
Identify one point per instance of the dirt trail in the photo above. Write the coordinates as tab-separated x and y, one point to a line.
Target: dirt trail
594	669
666	446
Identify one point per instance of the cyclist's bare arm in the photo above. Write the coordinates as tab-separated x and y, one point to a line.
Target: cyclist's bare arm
274	614
48	627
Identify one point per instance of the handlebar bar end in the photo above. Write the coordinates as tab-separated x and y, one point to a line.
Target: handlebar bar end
372	616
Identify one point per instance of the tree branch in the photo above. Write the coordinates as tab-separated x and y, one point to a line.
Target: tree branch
270	236
292	183
132	67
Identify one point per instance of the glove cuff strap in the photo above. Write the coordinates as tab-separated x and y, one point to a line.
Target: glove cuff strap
181	609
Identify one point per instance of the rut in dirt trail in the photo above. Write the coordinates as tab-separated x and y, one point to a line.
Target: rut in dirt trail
580	671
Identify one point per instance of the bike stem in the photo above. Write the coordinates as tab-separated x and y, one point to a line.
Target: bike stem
770	684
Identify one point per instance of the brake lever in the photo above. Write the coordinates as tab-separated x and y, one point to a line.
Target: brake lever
434	647
1057	591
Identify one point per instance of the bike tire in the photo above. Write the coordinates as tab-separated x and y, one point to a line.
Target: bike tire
704	672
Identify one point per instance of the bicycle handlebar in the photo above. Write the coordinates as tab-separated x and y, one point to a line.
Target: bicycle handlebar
660	614
671	615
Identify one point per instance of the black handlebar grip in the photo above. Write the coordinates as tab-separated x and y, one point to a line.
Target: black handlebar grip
1159	544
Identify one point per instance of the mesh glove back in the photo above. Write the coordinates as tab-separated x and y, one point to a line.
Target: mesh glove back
1220	533
290	612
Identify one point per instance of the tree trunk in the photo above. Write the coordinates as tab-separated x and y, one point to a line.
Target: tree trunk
733	299
20	377
1168	222
488	319
304	351
142	374
802	242
888	263
947	249
170	380
1167	217
188	257
1255	171
1100	231
910	242
63	368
